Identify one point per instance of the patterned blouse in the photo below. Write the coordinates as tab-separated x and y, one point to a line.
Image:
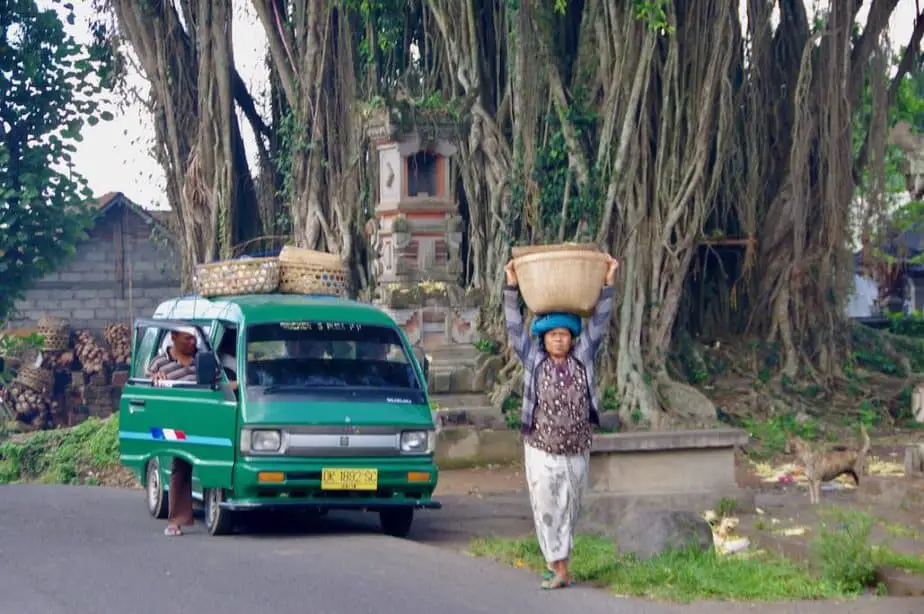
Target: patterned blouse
562	422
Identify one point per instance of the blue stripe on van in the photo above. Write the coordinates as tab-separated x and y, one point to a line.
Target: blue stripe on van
193	439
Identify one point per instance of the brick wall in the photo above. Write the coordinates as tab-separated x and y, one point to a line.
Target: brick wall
118	274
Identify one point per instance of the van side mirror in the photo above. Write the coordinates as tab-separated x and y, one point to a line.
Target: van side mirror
206	369
421	357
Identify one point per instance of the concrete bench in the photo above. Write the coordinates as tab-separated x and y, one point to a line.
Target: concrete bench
675	470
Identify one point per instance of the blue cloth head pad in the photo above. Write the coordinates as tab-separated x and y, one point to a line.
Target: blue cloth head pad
550	321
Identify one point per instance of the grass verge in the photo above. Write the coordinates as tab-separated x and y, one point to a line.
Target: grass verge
681	576
85	454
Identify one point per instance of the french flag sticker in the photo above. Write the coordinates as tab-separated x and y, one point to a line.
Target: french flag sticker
168	434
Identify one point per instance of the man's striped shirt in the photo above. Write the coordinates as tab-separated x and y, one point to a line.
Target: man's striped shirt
172	369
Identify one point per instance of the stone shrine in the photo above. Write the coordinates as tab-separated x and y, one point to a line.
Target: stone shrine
416	235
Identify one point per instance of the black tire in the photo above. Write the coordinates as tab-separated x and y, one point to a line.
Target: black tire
218	520
396	522
154	493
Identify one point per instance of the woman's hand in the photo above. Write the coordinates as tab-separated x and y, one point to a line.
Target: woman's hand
611	271
511	274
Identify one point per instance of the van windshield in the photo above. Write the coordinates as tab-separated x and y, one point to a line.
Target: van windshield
301	357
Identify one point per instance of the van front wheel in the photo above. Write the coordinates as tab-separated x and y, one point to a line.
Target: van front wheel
396	522
218	520
154	491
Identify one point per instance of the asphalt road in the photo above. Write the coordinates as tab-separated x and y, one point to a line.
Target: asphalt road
80	550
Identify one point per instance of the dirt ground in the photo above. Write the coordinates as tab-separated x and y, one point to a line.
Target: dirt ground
480	481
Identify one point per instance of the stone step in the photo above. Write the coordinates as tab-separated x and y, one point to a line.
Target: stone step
461	401
466	409
453	355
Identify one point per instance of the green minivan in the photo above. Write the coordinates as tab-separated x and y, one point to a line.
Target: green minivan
330	410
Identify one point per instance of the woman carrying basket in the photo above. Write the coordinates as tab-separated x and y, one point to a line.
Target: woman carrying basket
560	405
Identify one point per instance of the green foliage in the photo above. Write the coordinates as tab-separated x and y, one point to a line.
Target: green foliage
909	100
843	551
50	89
909	325
62	456
385	21
769	437
12	345
511	410
682	576
487	346
654	14
554	174
873	352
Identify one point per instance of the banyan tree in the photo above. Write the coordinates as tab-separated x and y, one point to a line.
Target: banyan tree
716	147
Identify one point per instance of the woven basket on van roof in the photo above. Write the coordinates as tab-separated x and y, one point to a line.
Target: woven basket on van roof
35	379
566	280
55	332
306	271
236	277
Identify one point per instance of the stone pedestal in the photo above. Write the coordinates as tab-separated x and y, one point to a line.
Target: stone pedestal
664	470
417	235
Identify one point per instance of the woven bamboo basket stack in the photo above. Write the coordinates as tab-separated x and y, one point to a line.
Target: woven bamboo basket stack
236	277
294	271
35	379
55	332
306	271
29	396
560	278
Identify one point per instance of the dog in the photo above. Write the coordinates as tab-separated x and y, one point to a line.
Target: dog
821	465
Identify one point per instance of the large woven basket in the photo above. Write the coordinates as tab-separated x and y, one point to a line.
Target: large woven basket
236	277
55	332
306	271
33	378
565	280
525	250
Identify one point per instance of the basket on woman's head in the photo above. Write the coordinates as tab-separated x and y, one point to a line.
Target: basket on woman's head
560	278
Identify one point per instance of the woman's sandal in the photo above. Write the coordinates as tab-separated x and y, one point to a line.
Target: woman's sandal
548	574
555	582
172	531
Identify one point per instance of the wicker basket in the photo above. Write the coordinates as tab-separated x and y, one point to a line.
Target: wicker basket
235	277
55	332
566	280
305	271
526	250
33	378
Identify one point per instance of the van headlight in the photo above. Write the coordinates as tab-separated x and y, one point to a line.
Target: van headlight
261	440
418	442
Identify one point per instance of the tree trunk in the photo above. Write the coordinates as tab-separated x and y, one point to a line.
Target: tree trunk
311	48
190	67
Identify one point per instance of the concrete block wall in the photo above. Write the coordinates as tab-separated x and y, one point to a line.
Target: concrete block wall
87	291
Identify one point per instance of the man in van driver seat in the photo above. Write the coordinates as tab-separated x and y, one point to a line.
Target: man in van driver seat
178	363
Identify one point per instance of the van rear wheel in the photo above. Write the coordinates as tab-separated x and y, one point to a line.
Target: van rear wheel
218	520
396	522
155	494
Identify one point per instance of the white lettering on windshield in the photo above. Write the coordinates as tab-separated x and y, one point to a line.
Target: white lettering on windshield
395	400
321	326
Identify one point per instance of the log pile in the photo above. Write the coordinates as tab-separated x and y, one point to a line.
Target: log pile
29	396
93	357
62	383
119	338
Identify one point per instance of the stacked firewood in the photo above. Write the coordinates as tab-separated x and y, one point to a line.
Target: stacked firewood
29	395
66	383
93	357
119	338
